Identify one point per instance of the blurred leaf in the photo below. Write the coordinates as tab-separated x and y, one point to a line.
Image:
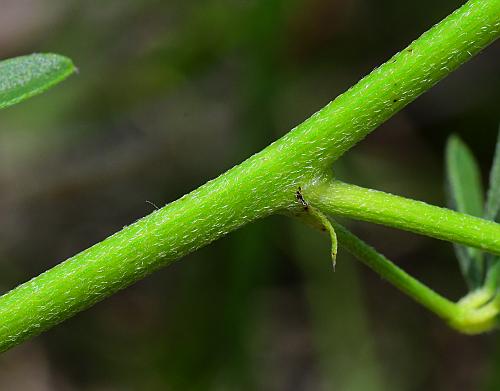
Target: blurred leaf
466	196
464	178
493	276
493	200
26	76
491	213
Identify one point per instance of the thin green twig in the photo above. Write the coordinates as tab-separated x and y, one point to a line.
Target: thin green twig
339	198
475	313
433	301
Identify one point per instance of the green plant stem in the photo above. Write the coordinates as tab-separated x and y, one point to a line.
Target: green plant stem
434	302
472	315
339	198
264	184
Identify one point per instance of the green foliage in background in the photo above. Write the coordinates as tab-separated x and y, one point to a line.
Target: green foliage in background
480	270
466	196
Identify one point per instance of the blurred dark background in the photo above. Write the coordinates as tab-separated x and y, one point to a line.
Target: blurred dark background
170	94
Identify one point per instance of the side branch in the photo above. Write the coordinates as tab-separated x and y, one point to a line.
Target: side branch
347	200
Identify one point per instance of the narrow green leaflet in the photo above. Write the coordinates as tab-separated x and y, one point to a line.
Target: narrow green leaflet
493	199
466	196
491	213
464	178
26	76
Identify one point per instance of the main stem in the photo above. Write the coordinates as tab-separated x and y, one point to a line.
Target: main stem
264	184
